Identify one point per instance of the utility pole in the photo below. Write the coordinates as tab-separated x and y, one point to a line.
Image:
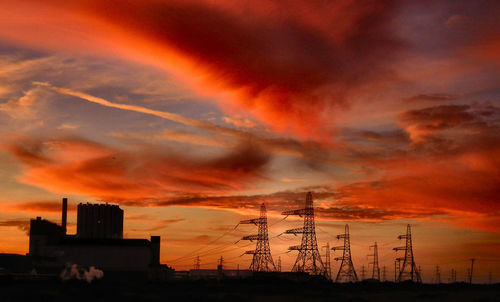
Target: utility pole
409	269
262	260
438	275
308	260
384	276
327	261
346	271
471	270
374	263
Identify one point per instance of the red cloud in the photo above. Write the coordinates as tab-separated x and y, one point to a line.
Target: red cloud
91	169
455	168
292	69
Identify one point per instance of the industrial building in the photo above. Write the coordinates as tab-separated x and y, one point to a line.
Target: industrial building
99	242
99	221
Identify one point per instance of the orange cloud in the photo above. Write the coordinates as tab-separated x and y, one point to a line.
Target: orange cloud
87	168
291	70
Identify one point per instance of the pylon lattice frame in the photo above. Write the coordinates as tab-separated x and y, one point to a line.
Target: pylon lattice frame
346	273
309	259
374	263
408	270
262	260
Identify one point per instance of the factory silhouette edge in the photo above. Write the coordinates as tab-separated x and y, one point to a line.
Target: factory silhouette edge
99	264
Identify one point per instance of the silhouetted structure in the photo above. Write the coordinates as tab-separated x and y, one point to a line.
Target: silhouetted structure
99	221
408	271
327	261
471	270
453	276
64	217
346	273
262	260
438	275
197	263
363	272
308	260
374	263
50	247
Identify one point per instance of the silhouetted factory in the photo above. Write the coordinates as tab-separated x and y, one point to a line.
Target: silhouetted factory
98	242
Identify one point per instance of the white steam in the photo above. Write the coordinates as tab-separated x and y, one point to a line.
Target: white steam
72	271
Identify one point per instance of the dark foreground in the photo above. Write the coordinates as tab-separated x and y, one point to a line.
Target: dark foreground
240	291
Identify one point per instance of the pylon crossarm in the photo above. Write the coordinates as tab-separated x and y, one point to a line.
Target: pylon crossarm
338	258
294	212
402	236
294	231
255	221
399	248
294	248
341	236
249	252
250	237
336	248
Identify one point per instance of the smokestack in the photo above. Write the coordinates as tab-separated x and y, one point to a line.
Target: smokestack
64	214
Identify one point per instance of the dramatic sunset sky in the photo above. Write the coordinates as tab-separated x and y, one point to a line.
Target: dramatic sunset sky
189	114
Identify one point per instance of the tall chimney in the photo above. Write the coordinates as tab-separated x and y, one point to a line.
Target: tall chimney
64	214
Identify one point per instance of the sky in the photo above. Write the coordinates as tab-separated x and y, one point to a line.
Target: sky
190	114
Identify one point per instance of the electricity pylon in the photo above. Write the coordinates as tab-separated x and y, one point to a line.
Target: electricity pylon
453	276
346	271
408	271
327	261
262	260
197	263
308	260
374	263
363	271
438	275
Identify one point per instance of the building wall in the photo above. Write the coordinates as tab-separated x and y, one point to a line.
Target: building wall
114	258
43	233
99	221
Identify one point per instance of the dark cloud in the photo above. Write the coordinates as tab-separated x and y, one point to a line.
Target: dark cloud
291	70
22	224
434	97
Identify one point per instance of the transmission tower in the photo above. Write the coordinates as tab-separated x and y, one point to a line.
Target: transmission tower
409	270
308	260
374	263
262	260
453	276
197	263
346	271
363	272
327	261
471	270
438	275
279	263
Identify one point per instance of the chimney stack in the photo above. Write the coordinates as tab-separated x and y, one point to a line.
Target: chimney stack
64	214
